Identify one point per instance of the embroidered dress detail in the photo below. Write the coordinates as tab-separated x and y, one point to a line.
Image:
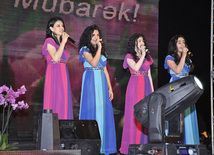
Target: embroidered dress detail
94	68
60	61
181	74
140	73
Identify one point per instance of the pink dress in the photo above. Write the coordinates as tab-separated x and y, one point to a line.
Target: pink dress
57	90
139	86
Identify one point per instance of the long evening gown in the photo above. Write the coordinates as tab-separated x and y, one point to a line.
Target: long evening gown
191	134
139	87
95	103
57	90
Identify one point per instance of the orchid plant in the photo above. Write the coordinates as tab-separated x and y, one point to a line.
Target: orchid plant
9	104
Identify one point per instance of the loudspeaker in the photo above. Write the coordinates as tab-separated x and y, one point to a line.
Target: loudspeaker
50	137
80	134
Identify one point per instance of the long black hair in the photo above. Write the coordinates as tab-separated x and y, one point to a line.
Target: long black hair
85	40
132	43
51	22
172	50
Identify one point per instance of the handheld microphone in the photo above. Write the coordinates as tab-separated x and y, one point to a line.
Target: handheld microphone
147	51
71	40
190	53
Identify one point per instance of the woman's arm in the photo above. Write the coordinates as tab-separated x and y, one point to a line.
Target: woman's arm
111	95
93	61
136	66
56	54
150	78
177	68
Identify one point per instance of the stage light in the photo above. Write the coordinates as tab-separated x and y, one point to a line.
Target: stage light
165	103
198	82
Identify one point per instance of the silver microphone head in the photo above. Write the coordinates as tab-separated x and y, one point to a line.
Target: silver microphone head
147	51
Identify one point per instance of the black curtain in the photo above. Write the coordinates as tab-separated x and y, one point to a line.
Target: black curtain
190	18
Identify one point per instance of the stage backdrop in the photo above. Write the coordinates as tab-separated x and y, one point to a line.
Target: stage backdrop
22	34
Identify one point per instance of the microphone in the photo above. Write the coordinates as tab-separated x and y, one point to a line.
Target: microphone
190	53
147	51
71	40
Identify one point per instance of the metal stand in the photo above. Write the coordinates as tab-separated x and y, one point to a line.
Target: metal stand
50	135
211	74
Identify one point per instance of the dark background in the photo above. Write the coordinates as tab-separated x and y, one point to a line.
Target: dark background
190	18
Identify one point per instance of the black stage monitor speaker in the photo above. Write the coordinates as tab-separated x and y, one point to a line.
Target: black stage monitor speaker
80	134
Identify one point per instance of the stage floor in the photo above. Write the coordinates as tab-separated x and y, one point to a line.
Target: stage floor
42	152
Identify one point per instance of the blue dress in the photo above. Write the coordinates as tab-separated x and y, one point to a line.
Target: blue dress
191	134
95	103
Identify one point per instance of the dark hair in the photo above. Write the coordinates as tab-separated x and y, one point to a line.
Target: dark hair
131	46
85	40
172	50
51	22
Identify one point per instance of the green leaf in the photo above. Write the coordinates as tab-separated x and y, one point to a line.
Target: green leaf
8	146
13	146
4	137
4	144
